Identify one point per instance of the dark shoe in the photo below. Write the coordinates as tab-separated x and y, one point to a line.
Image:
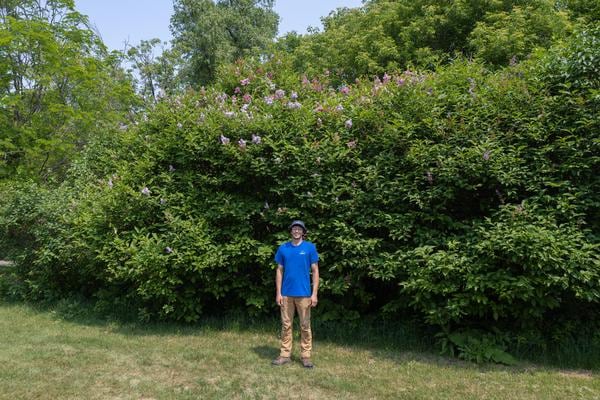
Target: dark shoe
281	360
307	363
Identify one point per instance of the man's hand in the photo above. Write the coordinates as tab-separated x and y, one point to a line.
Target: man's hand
279	300
314	300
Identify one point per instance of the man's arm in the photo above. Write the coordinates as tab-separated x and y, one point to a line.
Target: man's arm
315	284
278	279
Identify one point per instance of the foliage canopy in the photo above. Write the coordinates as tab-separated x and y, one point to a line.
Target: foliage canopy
58	87
465	195
208	34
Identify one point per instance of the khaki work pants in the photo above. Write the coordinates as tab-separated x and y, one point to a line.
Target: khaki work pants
291	304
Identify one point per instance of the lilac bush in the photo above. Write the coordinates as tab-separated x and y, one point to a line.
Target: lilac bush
463	204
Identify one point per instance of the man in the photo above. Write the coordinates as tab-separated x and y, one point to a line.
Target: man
295	261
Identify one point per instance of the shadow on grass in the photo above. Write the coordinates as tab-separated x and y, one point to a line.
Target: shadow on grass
398	341
266	352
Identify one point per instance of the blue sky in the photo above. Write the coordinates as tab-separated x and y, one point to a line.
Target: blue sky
120	21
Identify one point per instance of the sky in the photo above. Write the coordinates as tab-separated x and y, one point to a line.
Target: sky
128	21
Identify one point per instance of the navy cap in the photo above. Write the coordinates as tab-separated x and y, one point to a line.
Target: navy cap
297	223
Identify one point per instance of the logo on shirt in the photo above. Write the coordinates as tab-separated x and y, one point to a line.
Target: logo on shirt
302	253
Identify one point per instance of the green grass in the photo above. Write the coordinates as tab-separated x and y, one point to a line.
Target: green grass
44	355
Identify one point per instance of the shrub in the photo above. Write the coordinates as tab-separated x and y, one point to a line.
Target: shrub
460	194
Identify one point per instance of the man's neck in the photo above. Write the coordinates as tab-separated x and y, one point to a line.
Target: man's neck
296	242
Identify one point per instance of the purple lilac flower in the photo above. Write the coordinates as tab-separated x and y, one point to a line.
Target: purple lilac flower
377	81
317	87
229	114
168	250
110	183
245	82
305	80
345	90
294	96
247	98
242	143
348	123
386	78
279	93
256	139
351	144
294	105
268	100
146	191
339	108
224	139
237	90
319	108
486	155
513	61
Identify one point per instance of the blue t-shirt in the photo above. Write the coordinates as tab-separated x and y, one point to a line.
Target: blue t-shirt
296	261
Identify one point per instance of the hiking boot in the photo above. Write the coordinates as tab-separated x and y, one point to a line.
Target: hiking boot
307	363
281	360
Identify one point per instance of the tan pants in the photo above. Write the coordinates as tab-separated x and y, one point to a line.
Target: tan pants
290	304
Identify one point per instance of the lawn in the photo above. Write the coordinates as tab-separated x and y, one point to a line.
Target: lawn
45	355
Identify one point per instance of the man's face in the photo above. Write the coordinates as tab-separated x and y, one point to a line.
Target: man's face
297	232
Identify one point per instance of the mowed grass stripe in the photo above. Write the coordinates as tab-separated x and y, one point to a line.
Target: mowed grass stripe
45	357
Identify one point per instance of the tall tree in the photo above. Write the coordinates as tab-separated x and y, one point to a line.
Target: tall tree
209	33
385	35
155	74
58	85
